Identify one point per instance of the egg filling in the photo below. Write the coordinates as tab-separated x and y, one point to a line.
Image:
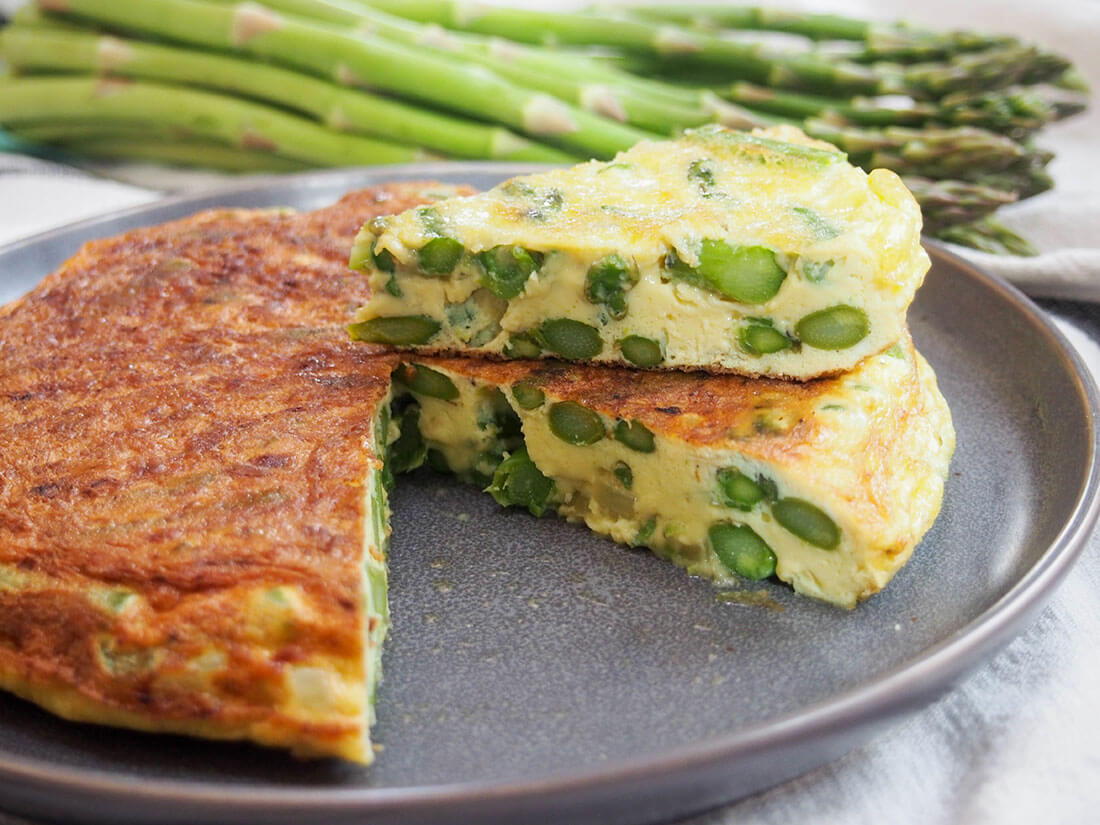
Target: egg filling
827	489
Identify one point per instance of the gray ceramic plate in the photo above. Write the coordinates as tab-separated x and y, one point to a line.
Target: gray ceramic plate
536	671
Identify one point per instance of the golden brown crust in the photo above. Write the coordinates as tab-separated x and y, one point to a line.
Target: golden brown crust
696	407
184	419
411	353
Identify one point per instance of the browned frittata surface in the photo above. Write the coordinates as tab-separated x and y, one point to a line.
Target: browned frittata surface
186	432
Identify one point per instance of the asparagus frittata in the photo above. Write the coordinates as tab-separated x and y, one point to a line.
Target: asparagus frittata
827	485
761	254
194	491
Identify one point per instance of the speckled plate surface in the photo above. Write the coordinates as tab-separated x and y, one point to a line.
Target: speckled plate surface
538	672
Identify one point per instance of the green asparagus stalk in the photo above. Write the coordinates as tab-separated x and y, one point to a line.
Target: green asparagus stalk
619	102
1015	112
211	116
71	130
946	203
199	154
1027	178
363	60
748	61
576	66
969	72
892	40
987	235
40	48
865	111
993	62
930	152
996	68
31	15
578	80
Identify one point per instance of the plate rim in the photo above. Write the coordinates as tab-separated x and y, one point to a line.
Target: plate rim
909	685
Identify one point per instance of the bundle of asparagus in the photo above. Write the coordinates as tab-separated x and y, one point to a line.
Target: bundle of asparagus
298	83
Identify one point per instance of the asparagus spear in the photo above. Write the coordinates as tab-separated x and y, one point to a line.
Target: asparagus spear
946	203
215	117
201	154
1015	112
583	82
632	34
616	100
894	40
1026	178
576	66
41	48
995	67
969	72
989	236
930	152
361	59
866	111
1003	57
72	130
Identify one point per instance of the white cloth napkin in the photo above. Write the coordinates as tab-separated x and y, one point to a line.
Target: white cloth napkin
1018	741
36	196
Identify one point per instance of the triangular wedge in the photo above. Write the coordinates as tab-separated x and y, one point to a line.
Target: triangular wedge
193	521
827	484
760	254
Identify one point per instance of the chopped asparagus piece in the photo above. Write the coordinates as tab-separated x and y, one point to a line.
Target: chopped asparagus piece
738	490
836	327
507	268
439	256
569	338
528	396
749	274
761	339
517	481
635	435
807	522
575	423
641	351
608	281
426	381
397	331
624	474
741	550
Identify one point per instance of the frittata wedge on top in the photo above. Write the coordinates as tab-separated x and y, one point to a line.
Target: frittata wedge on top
761	254
827	484
194	523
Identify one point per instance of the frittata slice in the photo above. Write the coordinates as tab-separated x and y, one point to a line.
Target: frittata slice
194	519
827	484
761	254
